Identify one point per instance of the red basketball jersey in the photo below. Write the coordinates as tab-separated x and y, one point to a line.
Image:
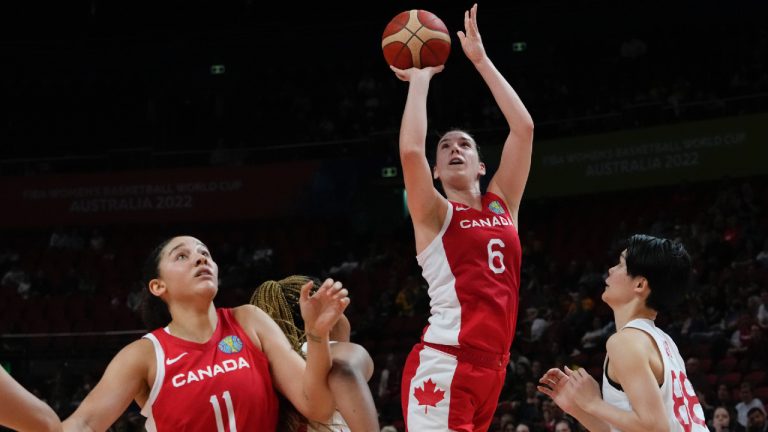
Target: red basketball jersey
221	385
473	271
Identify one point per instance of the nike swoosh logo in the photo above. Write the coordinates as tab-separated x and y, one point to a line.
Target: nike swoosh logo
458	208
174	360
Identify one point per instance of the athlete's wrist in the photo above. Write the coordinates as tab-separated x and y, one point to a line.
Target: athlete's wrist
317	337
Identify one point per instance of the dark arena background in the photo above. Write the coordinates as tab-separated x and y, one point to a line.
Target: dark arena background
270	132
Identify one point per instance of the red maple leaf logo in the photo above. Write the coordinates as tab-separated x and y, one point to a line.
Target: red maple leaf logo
428	394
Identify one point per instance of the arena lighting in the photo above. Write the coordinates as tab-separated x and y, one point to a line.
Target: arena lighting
519	46
217	69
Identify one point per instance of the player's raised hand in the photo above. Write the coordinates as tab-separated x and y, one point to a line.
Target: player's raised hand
412	73
470	39
322	309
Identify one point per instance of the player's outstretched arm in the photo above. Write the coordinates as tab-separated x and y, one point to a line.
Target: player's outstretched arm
21	410
122	382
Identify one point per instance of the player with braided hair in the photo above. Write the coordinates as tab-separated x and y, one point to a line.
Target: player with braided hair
352	365
213	369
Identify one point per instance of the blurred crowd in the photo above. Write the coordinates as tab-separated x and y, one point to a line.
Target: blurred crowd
81	279
69	295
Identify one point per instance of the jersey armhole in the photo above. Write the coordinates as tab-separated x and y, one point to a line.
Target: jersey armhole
421	257
146	411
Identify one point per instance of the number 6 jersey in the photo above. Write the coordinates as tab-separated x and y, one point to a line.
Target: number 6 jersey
473	271
684	411
221	385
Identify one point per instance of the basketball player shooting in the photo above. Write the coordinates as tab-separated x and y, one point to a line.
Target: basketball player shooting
468	247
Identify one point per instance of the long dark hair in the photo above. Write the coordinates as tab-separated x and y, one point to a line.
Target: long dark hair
154	311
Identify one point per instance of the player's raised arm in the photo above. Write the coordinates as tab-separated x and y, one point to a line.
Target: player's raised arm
426	205
512	175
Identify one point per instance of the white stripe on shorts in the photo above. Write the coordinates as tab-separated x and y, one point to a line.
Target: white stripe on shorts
438	367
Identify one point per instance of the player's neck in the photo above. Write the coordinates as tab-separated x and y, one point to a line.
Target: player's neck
194	325
629	312
471	197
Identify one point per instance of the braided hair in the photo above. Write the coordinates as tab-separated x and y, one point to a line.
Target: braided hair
280	300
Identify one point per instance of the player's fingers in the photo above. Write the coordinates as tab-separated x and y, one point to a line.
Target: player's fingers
304	294
342	304
326	286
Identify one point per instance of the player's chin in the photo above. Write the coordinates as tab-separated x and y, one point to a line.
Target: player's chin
208	287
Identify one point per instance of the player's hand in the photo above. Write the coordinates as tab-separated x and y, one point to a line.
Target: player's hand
322	309
414	73
554	383
470	39
585	389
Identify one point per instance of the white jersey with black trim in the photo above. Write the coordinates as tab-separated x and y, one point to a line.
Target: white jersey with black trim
684	412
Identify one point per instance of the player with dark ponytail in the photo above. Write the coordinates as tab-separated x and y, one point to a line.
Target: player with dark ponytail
204	368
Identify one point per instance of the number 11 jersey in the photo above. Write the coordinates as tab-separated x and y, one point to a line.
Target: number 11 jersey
221	385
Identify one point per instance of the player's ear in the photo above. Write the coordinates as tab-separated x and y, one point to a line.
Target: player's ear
157	287
641	284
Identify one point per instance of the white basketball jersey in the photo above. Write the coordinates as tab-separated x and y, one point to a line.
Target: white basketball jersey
684	411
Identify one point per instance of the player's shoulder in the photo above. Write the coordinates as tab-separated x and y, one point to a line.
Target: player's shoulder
629	341
247	312
139	346
138	353
250	316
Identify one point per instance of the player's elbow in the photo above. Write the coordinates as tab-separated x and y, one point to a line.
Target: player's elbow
320	411
527	125
47	422
350	362
52	425
411	153
523	128
654	425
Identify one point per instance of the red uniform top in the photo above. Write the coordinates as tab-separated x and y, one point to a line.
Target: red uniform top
220	385
473	271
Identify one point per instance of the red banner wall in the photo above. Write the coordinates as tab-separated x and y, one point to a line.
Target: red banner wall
179	195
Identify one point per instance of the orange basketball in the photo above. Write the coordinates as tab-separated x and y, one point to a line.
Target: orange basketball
416	38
